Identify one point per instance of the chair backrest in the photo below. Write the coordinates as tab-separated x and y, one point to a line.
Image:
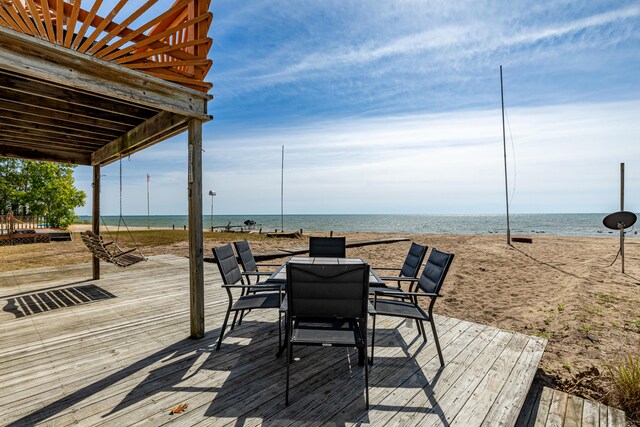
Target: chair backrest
227	264
435	271
414	259
327	290
246	256
330	247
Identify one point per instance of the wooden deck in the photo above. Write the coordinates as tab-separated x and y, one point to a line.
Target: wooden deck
125	359
547	407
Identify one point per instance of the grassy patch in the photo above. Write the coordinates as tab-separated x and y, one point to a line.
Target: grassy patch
626	384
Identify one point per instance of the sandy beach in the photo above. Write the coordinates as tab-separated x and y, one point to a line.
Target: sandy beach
560	288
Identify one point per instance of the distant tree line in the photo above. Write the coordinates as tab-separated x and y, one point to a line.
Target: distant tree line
33	188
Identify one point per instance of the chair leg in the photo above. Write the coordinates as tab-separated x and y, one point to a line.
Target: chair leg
279	329
235	317
421	329
224	326
286	394
366	379
373	339
435	338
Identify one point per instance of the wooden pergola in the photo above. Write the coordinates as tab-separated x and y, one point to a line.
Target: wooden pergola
81	88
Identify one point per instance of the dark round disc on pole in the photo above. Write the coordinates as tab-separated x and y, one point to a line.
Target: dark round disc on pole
619	220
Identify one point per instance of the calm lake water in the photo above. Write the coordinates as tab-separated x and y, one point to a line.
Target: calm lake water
552	224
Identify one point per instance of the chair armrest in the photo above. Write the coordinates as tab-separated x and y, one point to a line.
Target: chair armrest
259	286
399	279
386	268
397	294
268	265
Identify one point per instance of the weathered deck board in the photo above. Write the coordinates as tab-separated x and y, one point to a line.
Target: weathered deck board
545	407
127	361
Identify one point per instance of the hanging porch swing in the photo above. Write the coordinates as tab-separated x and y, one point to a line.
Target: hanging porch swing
110	251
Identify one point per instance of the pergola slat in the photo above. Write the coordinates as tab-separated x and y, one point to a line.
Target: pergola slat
100	28
119	28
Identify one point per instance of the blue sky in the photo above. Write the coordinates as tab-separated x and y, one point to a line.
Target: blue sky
394	107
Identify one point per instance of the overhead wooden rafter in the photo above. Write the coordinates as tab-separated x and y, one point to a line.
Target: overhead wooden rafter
172	45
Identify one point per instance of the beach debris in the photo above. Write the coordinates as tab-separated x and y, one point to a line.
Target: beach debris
178	409
522	239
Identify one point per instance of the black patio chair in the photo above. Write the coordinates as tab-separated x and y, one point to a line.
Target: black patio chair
329	247
327	306
232	279
428	285
248	262
409	270
250	267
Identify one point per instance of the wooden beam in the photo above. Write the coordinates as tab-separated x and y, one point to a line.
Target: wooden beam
10	120
196	267
25	84
15	111
141	136
79	113
27	55
95	219
20	140
39	130
12	151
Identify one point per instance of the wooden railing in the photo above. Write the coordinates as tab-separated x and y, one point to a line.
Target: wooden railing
171	44
9	224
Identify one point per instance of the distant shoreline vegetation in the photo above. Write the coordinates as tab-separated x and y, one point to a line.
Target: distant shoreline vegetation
575	224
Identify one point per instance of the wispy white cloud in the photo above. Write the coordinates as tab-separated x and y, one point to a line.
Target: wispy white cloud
442	46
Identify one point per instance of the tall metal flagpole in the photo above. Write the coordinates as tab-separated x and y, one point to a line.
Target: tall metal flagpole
148	220
282	193
504	148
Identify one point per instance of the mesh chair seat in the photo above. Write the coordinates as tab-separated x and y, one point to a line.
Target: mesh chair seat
327	333
259	300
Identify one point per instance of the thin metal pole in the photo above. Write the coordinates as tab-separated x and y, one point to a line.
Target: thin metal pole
621	209
211	218
282	193
504	148
148	211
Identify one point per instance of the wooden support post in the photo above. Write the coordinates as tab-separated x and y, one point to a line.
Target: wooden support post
95	217
196	262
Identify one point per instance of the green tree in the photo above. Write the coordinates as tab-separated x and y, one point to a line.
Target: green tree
40	189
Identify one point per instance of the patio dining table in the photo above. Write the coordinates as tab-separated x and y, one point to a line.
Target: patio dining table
280	277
